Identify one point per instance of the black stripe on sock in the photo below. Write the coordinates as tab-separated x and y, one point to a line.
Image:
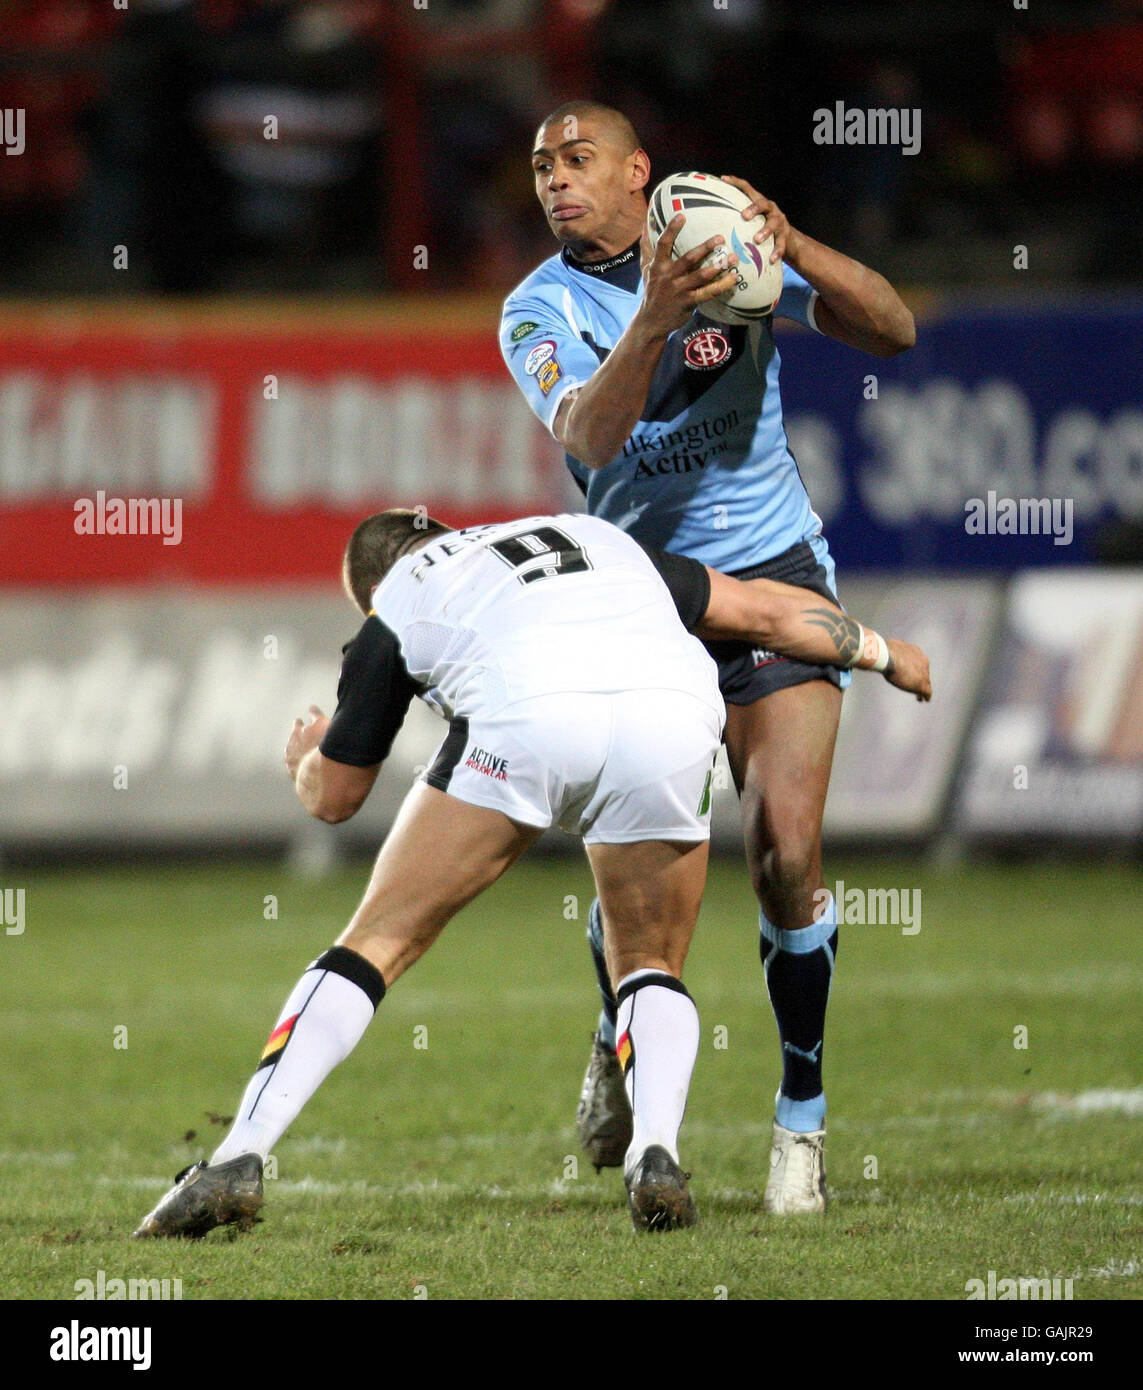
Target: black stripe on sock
444	765
661	979
628	1068
340	960
606	993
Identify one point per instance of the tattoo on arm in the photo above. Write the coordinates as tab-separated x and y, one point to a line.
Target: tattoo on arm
844	632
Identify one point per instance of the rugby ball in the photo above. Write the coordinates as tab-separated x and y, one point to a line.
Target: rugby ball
714	208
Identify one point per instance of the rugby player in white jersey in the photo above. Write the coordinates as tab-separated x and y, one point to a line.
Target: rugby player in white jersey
557	649
672	426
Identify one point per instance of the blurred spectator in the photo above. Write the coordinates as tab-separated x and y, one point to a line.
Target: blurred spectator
1076	104
150	128
860	189
152	188
483	84
49	47
254	133
290	107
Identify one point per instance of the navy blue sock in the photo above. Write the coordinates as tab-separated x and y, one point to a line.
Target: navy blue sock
799	968
610	1007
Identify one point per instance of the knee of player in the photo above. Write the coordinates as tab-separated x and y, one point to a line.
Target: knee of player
790	867
628	962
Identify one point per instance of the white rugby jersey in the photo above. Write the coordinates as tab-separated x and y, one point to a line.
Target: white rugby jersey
500	613
480	618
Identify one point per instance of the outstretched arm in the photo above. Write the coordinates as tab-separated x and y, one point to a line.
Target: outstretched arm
855	305
799	623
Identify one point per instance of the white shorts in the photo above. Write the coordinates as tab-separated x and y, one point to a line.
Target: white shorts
613	768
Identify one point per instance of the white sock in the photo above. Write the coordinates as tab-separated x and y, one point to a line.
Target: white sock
323	1021
657	1034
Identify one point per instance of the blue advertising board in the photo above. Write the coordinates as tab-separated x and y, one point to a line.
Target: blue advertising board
1006	438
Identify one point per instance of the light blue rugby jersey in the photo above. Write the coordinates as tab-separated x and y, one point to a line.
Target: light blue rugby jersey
707	472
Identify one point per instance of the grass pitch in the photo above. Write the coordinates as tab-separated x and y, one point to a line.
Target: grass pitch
449	1169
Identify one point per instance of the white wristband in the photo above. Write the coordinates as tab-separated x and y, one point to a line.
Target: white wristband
874	650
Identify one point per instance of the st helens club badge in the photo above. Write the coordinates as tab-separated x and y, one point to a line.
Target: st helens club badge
705	348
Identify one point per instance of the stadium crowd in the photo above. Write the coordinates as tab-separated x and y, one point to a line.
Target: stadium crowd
146	126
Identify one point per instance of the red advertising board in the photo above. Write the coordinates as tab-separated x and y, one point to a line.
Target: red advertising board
251	449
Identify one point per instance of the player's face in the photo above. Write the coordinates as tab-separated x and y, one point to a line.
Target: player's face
585	182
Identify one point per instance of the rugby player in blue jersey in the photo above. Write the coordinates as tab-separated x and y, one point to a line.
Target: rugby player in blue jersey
672	426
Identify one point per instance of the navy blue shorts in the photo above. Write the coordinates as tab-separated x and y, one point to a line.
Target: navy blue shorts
747	673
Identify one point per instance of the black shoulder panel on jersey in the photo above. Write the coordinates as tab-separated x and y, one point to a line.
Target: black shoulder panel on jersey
579	482
688	582
601	352
373	698
696	357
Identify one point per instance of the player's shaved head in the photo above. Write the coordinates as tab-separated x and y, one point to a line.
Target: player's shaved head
378	543
613	125
590	172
